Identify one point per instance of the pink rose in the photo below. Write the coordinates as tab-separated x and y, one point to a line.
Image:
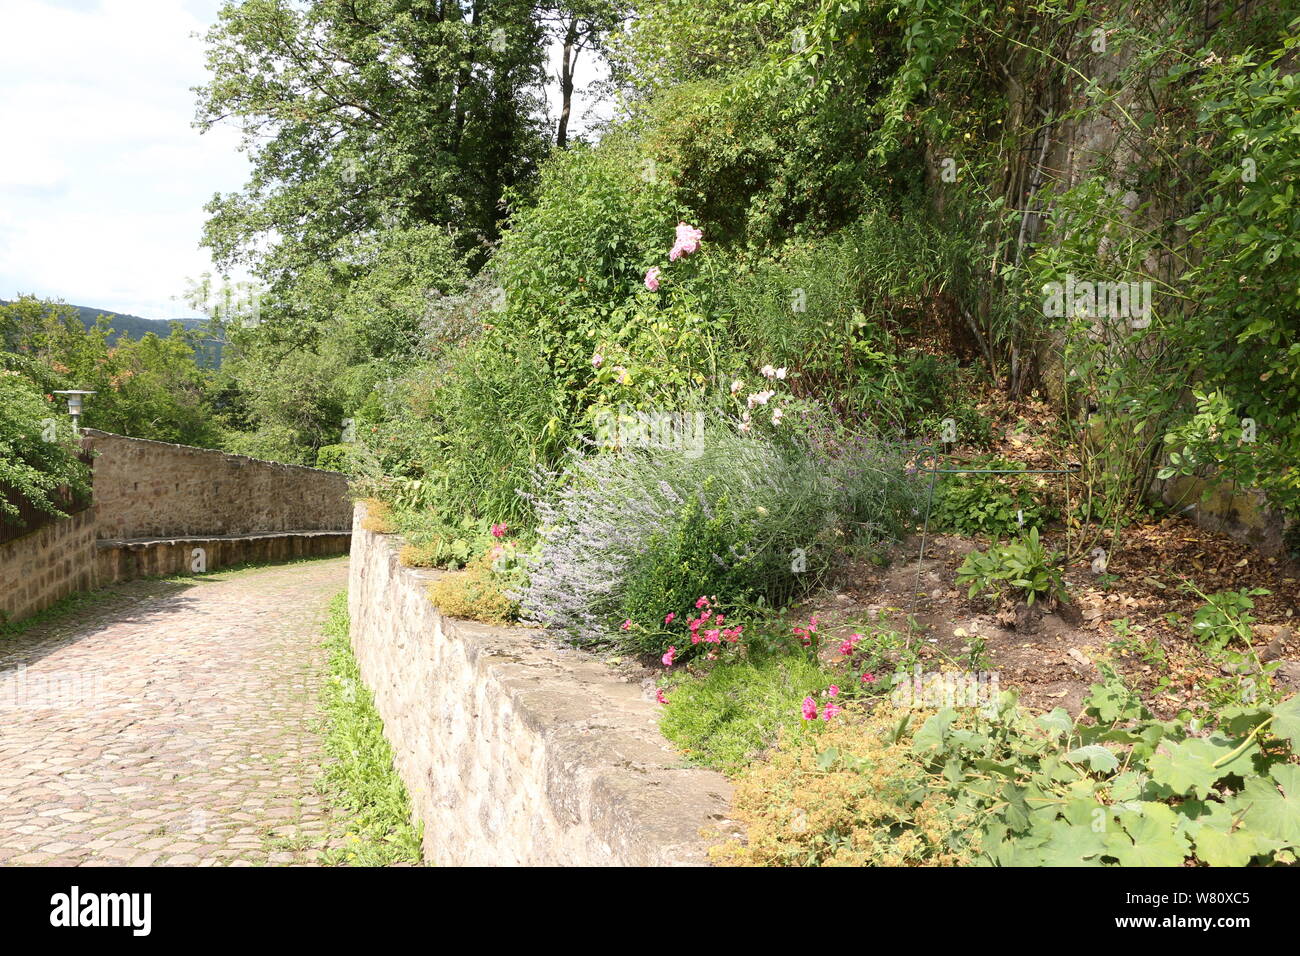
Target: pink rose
809	709
499	530
669	656
652	279
661	696
669	618
688	241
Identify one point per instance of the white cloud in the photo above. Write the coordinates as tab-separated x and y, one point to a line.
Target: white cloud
102	177
103	180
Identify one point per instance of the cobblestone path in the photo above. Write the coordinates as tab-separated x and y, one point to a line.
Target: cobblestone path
170	724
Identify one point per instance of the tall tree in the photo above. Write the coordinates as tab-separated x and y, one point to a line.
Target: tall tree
362	116
578	25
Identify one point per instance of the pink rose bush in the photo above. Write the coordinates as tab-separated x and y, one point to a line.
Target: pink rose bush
686	242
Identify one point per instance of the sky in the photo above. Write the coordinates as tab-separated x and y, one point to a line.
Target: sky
103	178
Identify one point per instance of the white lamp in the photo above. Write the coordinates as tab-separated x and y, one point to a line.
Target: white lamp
74	404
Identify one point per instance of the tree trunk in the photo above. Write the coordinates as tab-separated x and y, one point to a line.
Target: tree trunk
567	66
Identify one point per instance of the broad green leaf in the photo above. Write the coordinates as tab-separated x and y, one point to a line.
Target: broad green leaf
1220	848
1286	720
1270	812
1149	838
1100	759
1189	765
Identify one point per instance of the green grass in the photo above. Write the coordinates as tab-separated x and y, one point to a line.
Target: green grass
732	714
359	778
64	607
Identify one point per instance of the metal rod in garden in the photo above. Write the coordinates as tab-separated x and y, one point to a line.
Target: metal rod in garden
925	529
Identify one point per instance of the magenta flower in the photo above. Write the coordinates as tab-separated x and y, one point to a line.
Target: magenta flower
661	696
626	625
831	711
669	618
652	279
499	530
809	709
833	690
669	656
868	678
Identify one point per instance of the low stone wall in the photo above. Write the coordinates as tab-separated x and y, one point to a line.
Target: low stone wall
155	503
151	489
118	561
515	751
1241	513
40	568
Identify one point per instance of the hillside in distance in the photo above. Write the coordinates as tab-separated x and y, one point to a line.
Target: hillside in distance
207	349
135	327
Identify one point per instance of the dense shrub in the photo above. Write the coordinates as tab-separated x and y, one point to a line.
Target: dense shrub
999	785
643	533
37	460
989	504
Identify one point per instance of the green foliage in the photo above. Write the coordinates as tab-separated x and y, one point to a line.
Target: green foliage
999	785
728	716
146	388
492	417
1126	790
1022	568
1225	619
359	115
643	533
359	776
993	505
38	463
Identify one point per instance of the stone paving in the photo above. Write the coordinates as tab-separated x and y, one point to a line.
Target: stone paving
170	724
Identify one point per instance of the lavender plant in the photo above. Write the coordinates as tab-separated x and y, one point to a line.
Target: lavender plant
743	515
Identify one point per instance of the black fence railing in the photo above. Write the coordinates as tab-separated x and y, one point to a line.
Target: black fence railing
30	518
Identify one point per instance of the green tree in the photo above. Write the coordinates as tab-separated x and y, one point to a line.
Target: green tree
361	116
38	462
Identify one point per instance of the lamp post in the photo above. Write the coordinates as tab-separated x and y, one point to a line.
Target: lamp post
74	405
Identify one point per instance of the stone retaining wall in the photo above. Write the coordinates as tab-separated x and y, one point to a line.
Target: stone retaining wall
118	561
151	489
155	503
516	751
40	568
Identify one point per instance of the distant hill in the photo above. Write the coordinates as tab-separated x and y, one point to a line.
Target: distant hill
135	327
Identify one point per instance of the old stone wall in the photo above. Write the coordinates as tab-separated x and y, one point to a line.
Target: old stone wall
155	504
149	489
50	563
515	751
117	561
